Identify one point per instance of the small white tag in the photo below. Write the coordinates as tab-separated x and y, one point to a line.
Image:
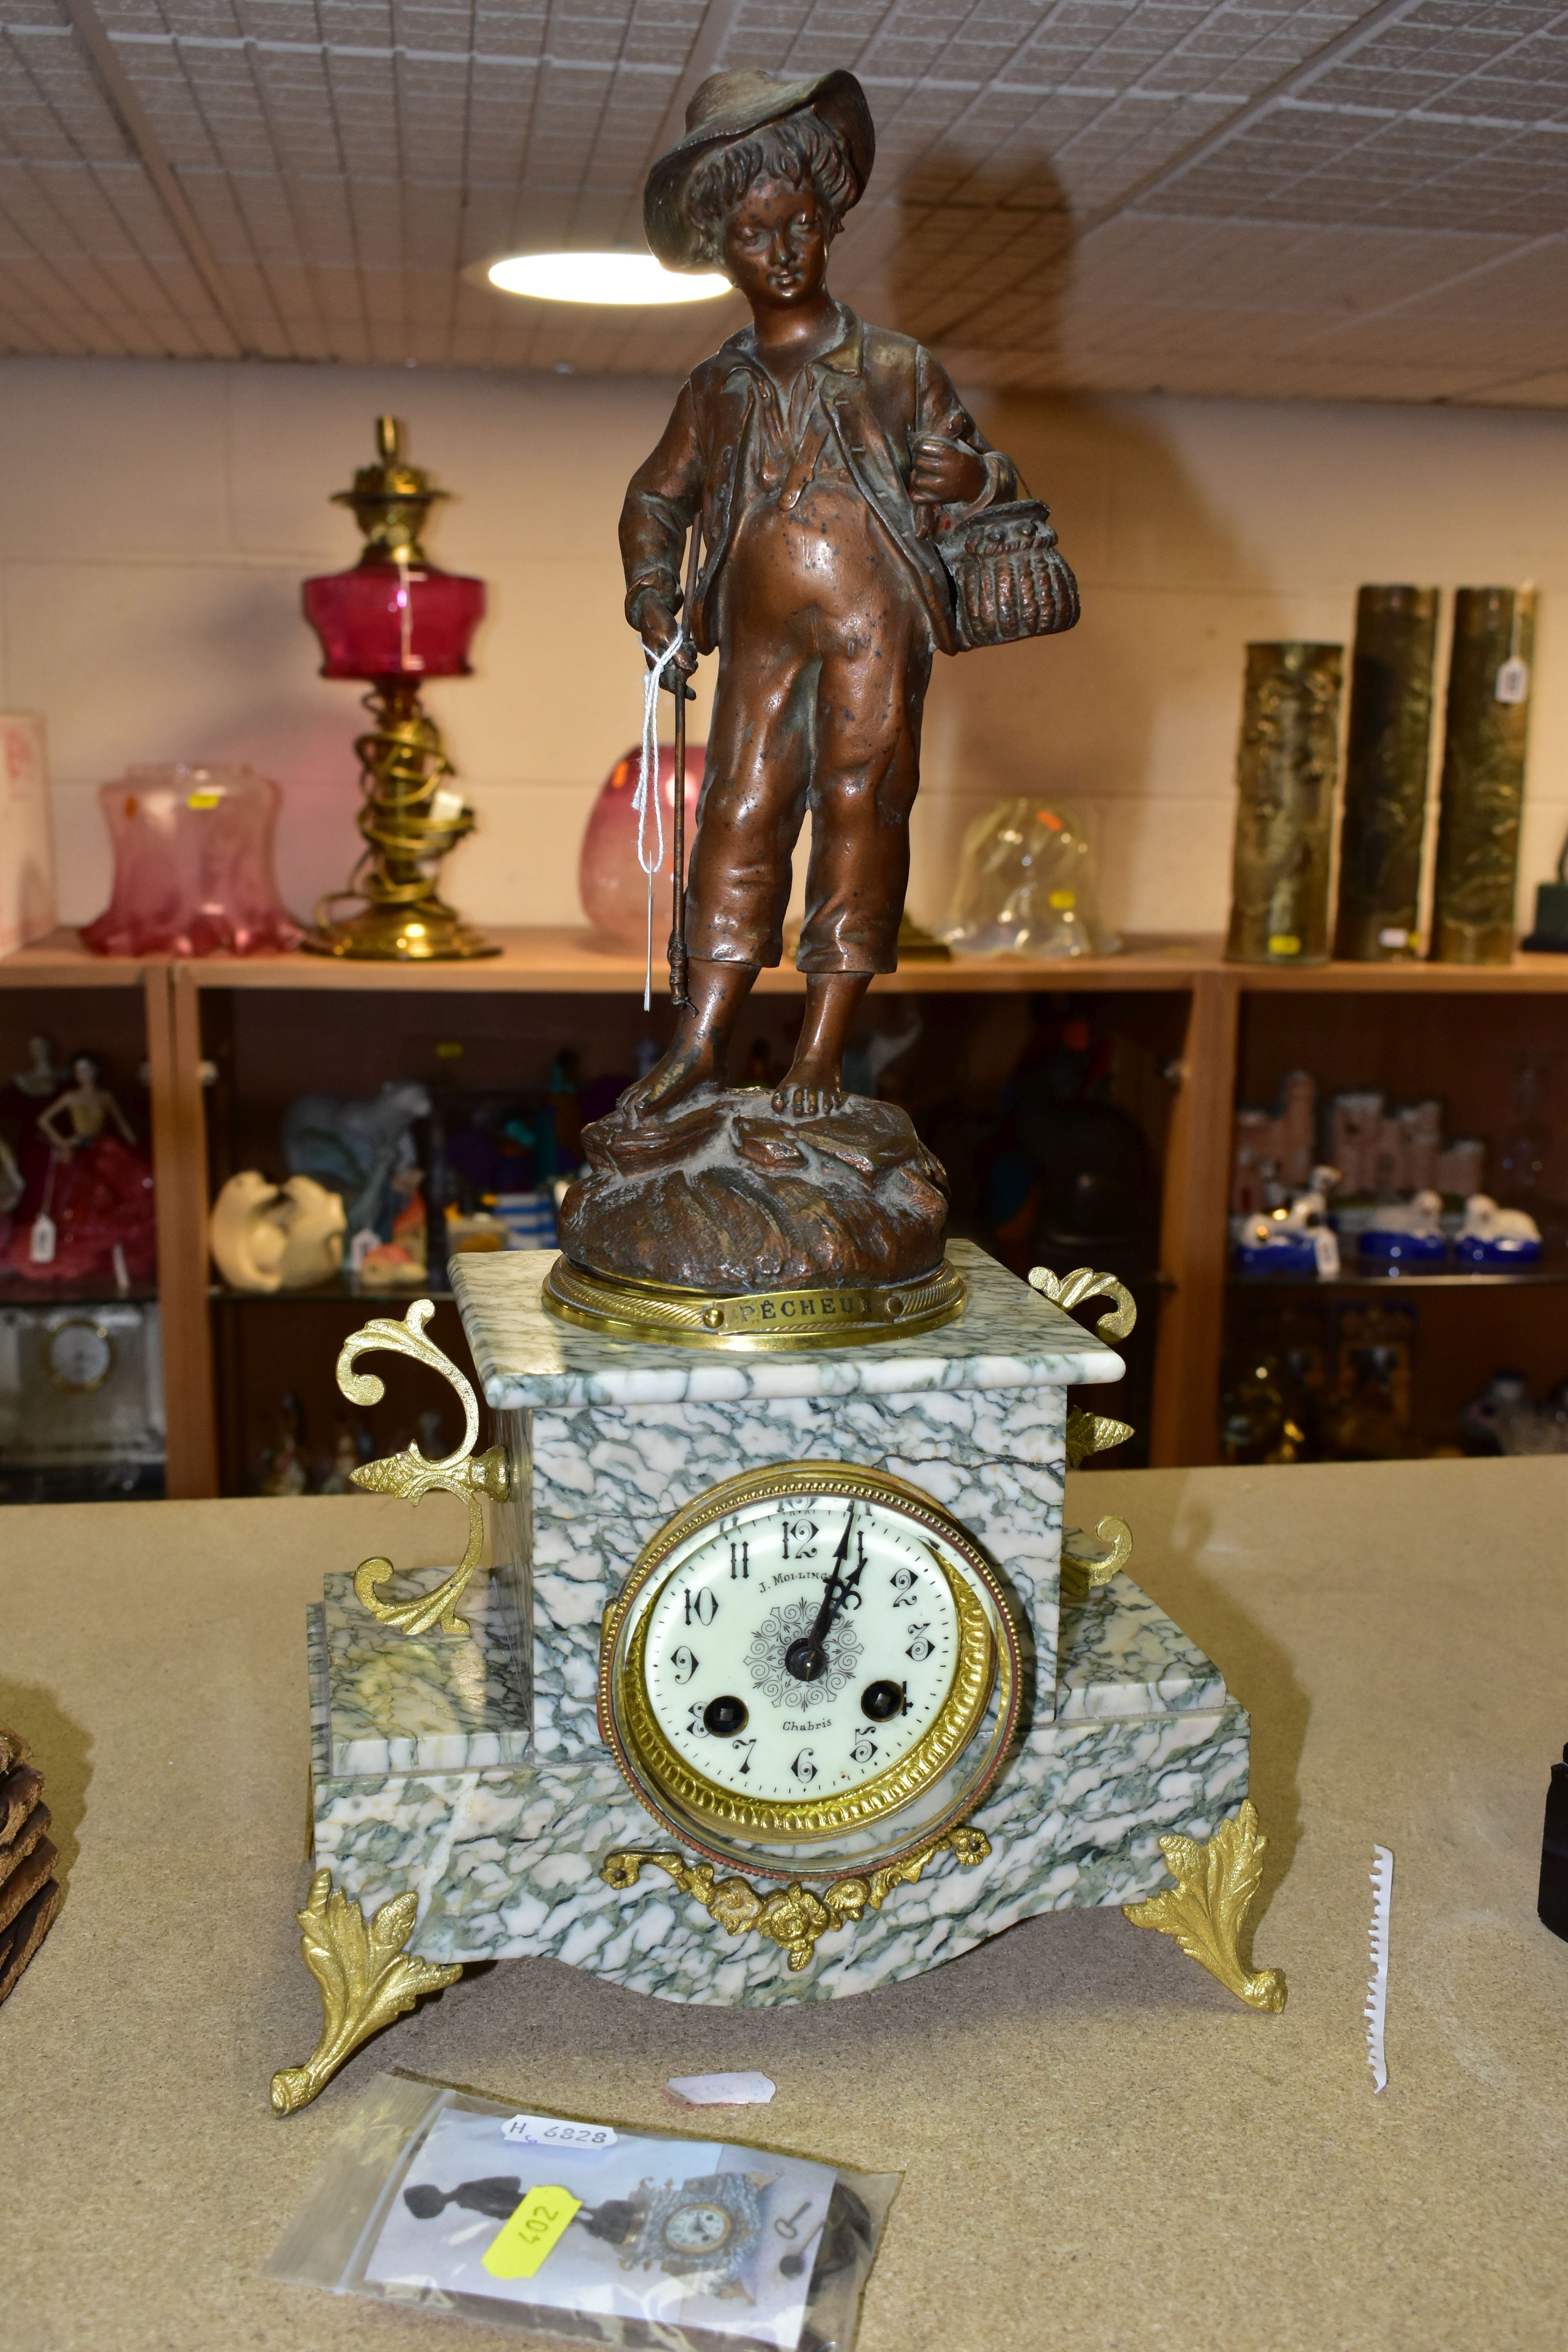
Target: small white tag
361	1246
554	2131
1392	937
1326	1246
722	2090
1512	681
41	1242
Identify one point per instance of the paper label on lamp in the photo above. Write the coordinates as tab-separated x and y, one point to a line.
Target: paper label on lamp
1512	681
521	2246
554	2131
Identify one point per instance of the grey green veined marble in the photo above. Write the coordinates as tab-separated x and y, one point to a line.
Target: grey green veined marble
1008	1337
608	1439
434	1771
505	1859
431	1704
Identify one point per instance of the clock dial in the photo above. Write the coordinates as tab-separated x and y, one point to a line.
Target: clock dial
78	1354
810	1653
752	1696
697	2229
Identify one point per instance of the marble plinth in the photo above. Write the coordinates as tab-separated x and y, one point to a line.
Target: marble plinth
607	1440
1139	1739
437	1768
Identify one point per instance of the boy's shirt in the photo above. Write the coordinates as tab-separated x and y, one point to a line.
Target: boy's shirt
734	441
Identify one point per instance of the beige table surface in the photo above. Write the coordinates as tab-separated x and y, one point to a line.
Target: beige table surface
1099	2148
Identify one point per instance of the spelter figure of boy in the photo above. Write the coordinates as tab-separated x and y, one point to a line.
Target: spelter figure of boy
822	455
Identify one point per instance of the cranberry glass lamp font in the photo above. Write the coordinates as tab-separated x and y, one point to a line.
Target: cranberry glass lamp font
394	621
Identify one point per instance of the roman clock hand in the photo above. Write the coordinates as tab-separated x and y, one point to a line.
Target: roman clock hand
807	1659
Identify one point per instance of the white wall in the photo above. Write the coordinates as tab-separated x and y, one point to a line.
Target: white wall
156	519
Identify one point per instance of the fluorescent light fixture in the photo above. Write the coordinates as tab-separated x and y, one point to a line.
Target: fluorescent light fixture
625	278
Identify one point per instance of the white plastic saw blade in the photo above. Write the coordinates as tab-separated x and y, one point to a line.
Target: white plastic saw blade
1377	1990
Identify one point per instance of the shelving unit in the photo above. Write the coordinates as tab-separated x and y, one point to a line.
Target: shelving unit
1227	1023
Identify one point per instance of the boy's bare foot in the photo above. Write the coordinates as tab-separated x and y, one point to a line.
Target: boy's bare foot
702	1044
810	1088
692	1059
814	1084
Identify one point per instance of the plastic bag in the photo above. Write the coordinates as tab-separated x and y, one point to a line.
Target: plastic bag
559	2228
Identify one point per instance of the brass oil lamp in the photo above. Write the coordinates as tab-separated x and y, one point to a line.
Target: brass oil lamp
395	620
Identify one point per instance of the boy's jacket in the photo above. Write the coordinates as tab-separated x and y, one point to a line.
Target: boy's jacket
879	393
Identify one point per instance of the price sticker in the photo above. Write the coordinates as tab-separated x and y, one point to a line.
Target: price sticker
1394	935
521	2246
1063	900
203	800
1512	681
1284	943
554	2131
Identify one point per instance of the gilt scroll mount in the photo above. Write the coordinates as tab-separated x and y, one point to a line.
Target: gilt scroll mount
463	1473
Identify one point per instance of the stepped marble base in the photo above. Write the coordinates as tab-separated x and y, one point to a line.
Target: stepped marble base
465	1779
417	1786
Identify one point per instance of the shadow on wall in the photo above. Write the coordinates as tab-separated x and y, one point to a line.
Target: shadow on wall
1119	720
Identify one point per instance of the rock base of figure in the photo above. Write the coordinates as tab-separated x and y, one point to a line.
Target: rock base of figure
723	1193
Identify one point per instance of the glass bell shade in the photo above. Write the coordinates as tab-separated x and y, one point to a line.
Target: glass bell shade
1026	887
193	865
610	882
390	620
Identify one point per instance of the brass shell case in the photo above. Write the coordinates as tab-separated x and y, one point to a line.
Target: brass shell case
1285	772
1387	758
1483	779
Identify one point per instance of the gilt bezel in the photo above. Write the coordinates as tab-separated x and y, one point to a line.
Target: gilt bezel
984	1689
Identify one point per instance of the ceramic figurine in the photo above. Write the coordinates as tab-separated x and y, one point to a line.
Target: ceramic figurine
90	1193
41	1076
359	1148
1405	1237
284	1469
1493	1239
264	1236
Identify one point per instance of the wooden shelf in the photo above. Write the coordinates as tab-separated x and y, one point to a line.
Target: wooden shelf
1406	1285
1526	976
344	1292
16	1290
567	961
60	961
570	962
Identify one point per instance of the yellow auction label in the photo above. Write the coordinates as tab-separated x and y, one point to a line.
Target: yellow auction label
1064	898
520	2244
1284	943
203	800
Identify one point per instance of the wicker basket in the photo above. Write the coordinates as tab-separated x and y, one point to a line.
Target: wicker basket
1008	579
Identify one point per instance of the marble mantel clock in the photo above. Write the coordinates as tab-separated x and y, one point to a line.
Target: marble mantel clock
779	1686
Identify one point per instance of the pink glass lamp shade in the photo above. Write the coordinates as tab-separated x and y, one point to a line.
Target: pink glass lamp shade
390	620
193	865
610	882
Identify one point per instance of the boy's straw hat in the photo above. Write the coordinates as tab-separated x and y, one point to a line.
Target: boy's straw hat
730	106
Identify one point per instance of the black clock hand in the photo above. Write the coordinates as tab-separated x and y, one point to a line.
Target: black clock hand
806	1658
